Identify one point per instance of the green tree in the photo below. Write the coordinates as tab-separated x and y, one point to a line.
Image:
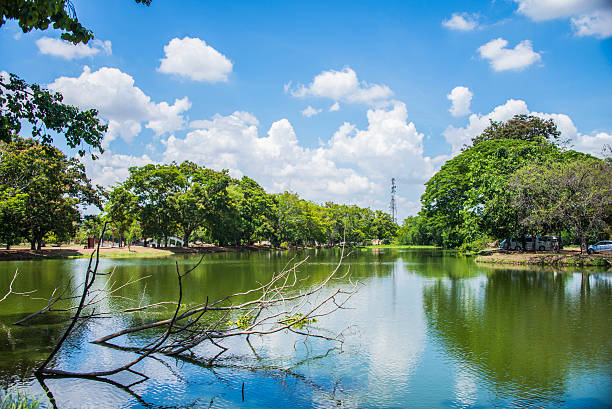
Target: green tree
469	196
574	195
47	115
12	211
256	210
39	14
120	210
20	101
522	127
414	231
53	187
198	197
153	186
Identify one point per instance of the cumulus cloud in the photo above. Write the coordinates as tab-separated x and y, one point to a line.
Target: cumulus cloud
111	168
594	143
310	111
597	23
461	98
335	107
460	137
352	166
342	86
588	17
125	106
64	49
502	58
541	10
194	59
461	22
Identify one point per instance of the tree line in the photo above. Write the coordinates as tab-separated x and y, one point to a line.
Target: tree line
513	180
42	194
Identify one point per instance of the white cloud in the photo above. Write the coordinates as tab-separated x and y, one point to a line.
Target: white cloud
502	58
64	49
598	24
310	111
461	98
588	17
461	22
353	166
458	137
593	144
111	168
194	59
342	86
124	105
540	10
335	107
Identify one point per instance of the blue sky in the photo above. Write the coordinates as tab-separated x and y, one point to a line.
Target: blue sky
327	99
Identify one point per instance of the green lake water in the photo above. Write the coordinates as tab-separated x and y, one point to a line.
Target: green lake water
426	329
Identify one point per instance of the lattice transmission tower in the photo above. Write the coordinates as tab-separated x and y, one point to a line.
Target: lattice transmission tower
392	207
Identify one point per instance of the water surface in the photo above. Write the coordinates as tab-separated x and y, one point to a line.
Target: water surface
425	329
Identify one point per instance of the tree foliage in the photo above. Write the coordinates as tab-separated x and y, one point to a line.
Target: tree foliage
43	110
42	188
186	200
47	115
576	195
40	14
469	197
522	127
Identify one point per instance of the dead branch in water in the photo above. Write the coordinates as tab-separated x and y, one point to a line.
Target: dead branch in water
11	291
275	306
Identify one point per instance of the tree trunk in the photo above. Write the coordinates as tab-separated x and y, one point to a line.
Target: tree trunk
33	244
39	244
186	235
8	245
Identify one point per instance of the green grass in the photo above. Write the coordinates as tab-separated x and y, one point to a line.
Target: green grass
19	400
123	254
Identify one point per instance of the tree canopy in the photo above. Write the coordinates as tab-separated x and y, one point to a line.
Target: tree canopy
39	14
522	127
43	110
40	191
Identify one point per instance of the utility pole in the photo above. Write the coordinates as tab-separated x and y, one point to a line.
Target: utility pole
392	207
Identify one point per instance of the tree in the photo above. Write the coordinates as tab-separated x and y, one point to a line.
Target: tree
153	186
120	210
575	194
39	14
20	101
414	231
196	201
256	209
47	115
273	306
522	127
12	211
50	185
469	197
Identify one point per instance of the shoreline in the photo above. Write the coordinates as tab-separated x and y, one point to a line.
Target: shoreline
70	252
563	258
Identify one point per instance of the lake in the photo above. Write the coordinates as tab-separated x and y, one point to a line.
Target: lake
426	329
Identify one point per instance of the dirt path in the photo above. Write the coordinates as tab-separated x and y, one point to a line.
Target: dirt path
113	252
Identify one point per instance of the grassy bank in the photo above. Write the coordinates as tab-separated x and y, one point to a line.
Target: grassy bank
564	258
69	252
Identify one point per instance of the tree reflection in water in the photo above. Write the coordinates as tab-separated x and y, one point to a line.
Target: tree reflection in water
523	332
